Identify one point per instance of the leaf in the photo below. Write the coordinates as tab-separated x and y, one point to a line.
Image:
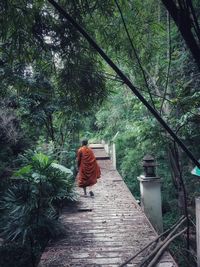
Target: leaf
61	168
41	161
23	171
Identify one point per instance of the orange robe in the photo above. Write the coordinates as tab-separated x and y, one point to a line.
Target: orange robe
89	170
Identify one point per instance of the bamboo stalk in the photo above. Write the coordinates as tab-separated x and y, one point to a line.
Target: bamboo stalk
149	244
164	247
151	255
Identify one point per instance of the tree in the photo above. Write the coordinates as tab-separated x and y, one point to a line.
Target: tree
50	68
185	16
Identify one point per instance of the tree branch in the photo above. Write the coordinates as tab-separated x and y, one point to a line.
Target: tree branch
169	62
135	52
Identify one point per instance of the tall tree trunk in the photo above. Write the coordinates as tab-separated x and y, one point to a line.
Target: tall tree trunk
181	17
49	127
176	173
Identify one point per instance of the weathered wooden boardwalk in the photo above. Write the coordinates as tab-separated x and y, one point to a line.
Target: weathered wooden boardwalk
104	230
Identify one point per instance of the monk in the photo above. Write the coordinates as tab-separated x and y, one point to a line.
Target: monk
88	168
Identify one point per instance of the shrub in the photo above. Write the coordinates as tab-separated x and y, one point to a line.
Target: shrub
30	206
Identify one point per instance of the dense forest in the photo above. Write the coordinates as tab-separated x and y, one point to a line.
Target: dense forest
55	89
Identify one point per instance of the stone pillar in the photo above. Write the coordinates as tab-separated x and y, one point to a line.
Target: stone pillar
198	229
150	190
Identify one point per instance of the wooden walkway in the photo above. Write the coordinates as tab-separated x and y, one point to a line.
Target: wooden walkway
104	230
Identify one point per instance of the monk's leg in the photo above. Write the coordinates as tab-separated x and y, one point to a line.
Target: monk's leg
84	189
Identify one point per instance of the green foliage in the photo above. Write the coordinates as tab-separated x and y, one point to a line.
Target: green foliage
48	69
30	205
55	83
12	142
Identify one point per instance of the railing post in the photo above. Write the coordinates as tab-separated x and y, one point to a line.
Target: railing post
198	229
106	146
103	143
111	150
114	156
150	190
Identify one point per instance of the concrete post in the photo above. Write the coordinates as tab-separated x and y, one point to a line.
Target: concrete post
150	190
106	146
103	142
198	229
114	156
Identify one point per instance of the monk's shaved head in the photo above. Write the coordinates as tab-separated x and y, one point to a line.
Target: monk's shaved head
84	142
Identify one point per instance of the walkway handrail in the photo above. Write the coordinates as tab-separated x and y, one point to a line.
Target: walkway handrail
111	149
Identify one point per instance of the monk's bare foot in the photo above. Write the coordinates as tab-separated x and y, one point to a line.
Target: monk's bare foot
91	194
